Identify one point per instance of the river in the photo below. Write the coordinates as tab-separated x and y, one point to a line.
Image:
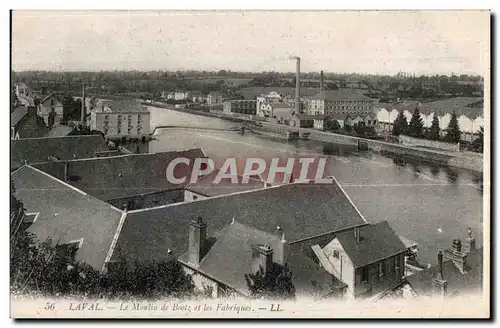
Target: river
428	204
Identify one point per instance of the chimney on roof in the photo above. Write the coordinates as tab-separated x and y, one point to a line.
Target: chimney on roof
455	254
282	249
440	284
262	257
66	170
197	239
471	242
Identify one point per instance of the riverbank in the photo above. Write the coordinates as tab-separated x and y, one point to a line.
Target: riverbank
462	160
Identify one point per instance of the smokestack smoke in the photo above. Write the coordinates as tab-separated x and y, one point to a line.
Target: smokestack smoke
297	87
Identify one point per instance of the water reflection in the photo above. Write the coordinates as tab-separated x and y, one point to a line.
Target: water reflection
452	176
435	171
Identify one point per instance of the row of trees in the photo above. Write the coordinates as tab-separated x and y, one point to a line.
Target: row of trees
415	128
49	269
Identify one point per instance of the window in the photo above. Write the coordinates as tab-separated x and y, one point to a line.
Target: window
336	254
369	122
364	275
397	263
381	269
391	265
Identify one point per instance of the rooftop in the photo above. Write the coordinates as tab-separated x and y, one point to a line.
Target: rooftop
470	281
378	241
125	106
206	186
302	210
18	114
39	150
468	106
230	258
120	176
67	214
341	95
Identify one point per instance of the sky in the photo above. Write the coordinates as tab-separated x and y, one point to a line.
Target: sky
370	42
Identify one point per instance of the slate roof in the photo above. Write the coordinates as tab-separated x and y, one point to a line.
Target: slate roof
280	105
18	114
67	214
230	258
127	175
124	106
38	150
341	95
378	241
206	186
302	210
471	281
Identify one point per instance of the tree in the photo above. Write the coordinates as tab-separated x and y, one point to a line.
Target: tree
453	130
400	124
93	102
416	126
50	269
478	143
434	132
331	124
276	283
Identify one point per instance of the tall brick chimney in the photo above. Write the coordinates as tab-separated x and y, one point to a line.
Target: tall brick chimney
297	87
197	238
82	117
262	257
471	242
440	284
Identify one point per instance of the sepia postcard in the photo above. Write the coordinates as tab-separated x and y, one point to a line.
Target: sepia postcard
250	164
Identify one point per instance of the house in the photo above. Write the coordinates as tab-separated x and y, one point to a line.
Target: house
459	271
51	109
25	123
343	101
22	89
42	150
278	111
214	98
240	106
266	100
369	259
301	121
320	120
195	96
308	213
121	118
68	216
221	262
206	187
134	180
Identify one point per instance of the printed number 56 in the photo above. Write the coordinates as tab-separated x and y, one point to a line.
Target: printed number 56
49	306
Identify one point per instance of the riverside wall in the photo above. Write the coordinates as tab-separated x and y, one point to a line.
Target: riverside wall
472	162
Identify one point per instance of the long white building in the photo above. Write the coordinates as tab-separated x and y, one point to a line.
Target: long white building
470	116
